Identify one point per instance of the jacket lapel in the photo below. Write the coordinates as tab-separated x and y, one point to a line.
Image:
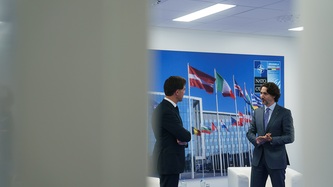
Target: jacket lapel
173	109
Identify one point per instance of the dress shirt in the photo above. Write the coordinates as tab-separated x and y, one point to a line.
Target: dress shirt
271	108
174	104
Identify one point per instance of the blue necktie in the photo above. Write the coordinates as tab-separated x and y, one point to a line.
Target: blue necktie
266	117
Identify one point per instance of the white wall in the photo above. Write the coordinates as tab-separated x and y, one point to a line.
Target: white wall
78	100
200	41
315	93
69	104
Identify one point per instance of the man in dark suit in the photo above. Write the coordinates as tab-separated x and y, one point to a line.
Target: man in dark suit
271	129
171	136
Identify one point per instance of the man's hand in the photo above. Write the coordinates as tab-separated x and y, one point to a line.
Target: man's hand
181	143
264	139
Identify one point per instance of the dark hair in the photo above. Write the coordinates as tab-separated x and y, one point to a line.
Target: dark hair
172	84
272	89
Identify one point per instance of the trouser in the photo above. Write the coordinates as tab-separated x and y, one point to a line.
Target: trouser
169	180
259	175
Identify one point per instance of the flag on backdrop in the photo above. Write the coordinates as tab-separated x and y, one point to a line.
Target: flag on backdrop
205	129
213	127
196	131
223	126
241	117
238	89
256	101
244	118
247	118
200	79
223	86
234	122
247	99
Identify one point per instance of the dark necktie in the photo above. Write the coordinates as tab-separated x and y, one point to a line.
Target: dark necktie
177	109
266	117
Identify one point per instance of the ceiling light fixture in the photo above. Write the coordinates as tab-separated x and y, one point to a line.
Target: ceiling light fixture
296	29
204	12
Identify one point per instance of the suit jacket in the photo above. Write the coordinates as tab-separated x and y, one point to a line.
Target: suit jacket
167	125
281	128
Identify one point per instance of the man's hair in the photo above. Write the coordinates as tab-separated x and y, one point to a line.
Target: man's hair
172	84
272	89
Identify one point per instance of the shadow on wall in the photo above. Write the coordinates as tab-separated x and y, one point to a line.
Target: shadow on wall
6	102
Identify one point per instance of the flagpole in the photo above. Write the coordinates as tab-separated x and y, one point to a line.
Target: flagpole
203	142
245	119
218	129
246	114
232	143
212	153
237	126
210	145
249	117
223	151
190	118
250	145
223	143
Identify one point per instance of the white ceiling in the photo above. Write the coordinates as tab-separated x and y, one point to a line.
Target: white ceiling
261	17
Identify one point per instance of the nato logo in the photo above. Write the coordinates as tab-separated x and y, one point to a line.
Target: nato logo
260	69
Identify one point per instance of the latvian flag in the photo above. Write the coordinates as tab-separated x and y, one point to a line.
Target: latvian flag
201	80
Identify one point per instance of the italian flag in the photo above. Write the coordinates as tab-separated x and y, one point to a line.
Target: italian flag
223	86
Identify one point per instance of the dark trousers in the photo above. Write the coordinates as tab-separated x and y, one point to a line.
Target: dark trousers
259	175
169	180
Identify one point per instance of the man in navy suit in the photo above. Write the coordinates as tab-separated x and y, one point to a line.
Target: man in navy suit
171	136
270	130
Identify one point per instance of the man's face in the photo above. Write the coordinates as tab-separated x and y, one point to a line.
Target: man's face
180	94
266	98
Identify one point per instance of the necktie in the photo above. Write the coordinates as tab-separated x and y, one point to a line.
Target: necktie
177	109
266	117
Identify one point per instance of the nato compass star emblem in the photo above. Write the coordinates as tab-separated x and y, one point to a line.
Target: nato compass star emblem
261	69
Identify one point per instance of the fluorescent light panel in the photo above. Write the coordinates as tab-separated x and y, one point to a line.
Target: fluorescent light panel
204	12
296	29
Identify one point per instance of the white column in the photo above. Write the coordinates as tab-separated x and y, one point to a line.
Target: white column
80	93
315	93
